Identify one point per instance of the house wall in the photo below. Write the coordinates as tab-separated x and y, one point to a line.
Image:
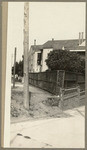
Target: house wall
33	66
36	67
44	57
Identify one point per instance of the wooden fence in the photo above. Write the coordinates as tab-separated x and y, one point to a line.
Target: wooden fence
49	81
68	98
52	81
71	97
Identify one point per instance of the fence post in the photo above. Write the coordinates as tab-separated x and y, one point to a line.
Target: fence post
63	79
61	98
78	90
57	83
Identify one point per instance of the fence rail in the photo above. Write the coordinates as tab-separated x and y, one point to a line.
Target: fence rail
75	93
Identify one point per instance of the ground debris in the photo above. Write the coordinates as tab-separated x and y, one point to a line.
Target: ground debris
38	105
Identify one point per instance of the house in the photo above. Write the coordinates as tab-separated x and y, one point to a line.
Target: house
38	53
35	57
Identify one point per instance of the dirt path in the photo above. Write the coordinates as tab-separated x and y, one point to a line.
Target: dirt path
38	106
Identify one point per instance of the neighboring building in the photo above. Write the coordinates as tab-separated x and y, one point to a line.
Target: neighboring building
35	57
38	53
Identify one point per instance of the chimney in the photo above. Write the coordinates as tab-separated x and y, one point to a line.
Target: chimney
53	43
34	42
79	38
82	37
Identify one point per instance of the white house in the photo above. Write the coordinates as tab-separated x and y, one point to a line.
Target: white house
39	53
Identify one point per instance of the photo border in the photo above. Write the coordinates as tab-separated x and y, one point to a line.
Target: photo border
3	71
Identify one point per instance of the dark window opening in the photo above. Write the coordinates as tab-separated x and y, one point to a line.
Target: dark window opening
39	57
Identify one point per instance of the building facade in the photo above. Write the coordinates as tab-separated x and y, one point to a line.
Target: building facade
39	53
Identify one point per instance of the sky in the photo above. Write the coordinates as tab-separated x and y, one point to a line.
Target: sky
47	20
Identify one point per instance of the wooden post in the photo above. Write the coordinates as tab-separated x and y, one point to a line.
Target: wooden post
26	48
57	82
78	90
14	67
61	98
63	79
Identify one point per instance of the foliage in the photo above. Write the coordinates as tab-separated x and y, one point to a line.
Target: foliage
65	60
18	68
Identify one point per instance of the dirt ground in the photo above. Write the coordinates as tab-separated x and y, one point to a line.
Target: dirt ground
38	106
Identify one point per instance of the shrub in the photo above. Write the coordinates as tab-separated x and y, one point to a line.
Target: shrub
65	60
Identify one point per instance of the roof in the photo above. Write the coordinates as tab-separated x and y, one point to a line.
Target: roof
67	44
84	43
71	44
37	47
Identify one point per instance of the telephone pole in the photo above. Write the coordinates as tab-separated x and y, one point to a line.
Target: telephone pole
14	67
26	48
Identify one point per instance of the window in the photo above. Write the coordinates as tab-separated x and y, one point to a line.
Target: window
39	56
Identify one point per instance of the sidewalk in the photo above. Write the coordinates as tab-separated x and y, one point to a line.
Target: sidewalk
33	89
51	133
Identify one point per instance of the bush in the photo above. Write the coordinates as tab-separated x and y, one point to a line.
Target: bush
18	68
65	60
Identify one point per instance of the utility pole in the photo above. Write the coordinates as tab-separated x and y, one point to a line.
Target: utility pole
14	67
26	48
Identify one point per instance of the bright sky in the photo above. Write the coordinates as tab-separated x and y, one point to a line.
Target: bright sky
47	20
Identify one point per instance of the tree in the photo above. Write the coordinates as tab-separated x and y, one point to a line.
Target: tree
65	60
16	68
19	68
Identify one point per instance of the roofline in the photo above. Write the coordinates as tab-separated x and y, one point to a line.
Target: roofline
63	40
78	50
44	47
